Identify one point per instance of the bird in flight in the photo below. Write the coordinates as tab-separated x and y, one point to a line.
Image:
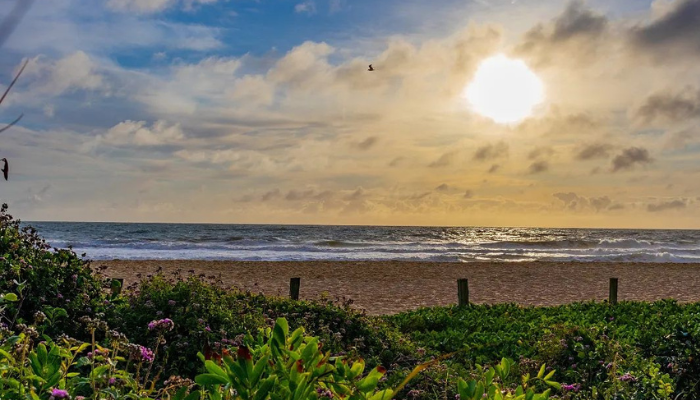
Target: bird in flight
5	169
370	68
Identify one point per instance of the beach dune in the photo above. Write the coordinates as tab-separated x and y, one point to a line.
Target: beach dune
386	287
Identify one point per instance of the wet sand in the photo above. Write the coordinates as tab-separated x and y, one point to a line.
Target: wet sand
387	287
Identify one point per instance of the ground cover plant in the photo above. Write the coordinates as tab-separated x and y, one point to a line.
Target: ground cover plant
168	336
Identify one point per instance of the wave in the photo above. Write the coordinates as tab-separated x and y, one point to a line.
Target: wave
339	243
260	242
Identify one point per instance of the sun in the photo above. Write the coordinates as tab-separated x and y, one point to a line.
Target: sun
505	90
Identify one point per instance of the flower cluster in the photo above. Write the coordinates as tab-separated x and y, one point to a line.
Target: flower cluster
628	378
324	393
165	324
140	353
574	387
59	394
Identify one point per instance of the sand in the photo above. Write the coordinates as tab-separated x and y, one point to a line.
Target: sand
386	287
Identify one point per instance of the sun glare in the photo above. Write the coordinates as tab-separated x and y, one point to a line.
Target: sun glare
505	90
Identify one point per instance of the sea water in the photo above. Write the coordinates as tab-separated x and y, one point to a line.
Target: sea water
140	241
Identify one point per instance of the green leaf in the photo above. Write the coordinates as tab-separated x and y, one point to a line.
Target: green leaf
180	395
196	395
386	394
549	375
553	384
265	387
10	297
210	379
214	369
540	374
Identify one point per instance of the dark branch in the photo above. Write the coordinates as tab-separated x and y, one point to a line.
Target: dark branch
11	124
8	25
13	81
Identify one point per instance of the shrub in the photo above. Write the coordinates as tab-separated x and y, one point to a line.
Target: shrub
50	284
208	317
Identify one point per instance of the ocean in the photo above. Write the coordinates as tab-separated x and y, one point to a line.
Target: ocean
138	241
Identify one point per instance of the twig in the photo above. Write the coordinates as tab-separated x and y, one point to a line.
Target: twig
8	25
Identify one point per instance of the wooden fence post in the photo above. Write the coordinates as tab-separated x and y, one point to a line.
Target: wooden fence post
116	286
612	298
294	284
463	292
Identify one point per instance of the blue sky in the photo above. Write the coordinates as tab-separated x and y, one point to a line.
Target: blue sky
263	111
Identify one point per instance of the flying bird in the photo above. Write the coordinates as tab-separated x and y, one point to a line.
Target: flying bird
370	68
5	169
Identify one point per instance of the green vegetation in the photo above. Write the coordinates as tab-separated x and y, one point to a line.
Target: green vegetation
65	334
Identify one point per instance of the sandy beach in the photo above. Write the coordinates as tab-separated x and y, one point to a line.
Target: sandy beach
381	287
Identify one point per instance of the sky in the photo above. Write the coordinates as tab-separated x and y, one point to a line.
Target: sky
263	111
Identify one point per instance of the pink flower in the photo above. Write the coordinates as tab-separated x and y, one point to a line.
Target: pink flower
165	324
146	354
59	394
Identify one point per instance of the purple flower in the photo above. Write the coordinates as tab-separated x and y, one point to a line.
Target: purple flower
165	324
207	328
574	387
171	302
574	366
146	354
60	296
628	378
112	381
59	394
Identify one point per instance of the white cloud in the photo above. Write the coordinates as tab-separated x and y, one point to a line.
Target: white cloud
307	7
54	77
137	133
140	6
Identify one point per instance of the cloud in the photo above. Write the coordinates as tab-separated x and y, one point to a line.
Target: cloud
538	167
140	6
573	201
630	157
271	195
491	151
593	151
396	161
669	106
538	152
137	133
666	205
681	139
367	143
73	72
600	203
358	194
573	36
674	33
152	6
444	160
307	7
335	6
